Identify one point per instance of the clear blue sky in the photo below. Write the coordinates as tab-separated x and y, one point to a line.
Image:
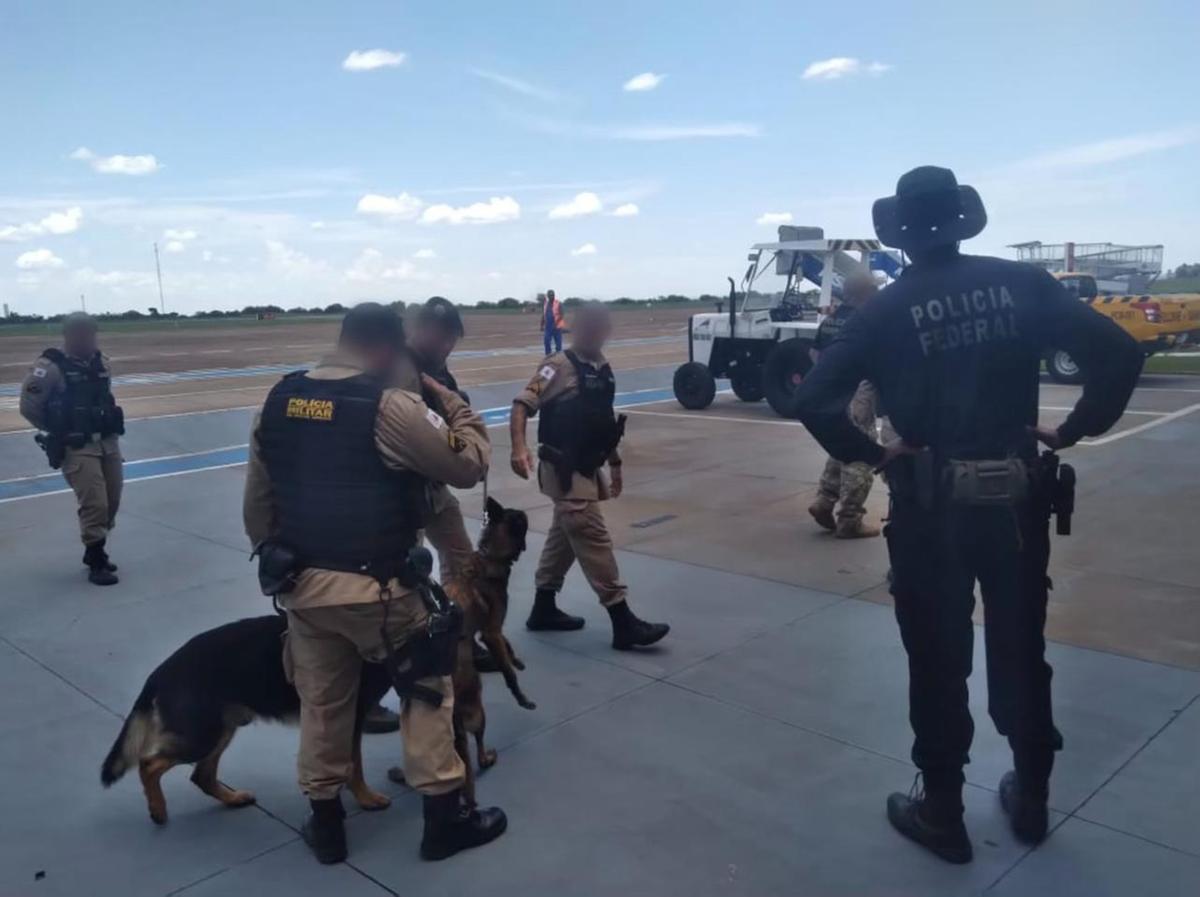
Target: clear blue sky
242	137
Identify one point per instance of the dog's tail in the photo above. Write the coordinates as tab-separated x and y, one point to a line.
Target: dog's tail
132	739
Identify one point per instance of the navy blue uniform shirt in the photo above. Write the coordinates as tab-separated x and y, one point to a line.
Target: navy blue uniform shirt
955	348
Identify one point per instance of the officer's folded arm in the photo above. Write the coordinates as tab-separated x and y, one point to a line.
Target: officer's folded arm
412	436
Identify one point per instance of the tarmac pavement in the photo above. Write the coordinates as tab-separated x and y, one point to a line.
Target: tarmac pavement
749	754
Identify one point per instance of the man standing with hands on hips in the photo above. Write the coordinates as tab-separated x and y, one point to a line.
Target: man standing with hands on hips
578	433
955	347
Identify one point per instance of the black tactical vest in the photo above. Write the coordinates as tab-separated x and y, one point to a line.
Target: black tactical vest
581	425
86	405
336	504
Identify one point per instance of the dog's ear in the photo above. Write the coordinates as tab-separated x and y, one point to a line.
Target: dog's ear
494	510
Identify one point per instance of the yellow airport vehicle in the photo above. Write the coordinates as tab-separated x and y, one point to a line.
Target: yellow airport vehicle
1159	323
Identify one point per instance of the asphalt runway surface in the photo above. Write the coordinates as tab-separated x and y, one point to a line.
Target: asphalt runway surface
749	755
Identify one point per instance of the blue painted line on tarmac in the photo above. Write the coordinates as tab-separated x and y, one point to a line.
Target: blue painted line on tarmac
152	468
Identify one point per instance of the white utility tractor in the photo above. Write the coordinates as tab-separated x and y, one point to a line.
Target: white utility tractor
762	341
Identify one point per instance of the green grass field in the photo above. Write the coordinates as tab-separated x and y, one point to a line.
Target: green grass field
1173	364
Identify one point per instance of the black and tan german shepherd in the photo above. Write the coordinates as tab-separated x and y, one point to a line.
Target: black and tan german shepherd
194	702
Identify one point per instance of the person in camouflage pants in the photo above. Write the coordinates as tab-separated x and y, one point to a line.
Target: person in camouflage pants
843	488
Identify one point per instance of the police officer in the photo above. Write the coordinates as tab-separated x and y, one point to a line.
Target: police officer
68	396
845	487
955	347
578	435
438	329
337	475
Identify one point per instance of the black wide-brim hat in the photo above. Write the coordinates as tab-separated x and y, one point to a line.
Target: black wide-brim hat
930	209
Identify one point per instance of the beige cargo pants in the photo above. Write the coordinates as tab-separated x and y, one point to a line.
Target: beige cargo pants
95	475
578	533
846	486
325	650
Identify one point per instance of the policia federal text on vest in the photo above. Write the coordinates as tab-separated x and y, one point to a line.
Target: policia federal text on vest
578	432
85	408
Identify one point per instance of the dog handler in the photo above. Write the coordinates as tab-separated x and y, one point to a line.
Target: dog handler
68	396
578	435
955	348
337	474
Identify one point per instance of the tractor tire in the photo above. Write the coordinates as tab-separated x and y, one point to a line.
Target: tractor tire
748	384
787	366
1062	368
694	386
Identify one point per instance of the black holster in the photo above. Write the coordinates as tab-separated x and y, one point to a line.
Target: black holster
1056	487
431	652
278	567
54	447
564	466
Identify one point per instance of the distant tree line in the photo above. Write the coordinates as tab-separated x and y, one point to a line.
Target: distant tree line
261	312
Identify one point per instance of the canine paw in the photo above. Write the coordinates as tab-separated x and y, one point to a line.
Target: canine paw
237	799
396	775
526	703
487	759
518	663
159	815
372	800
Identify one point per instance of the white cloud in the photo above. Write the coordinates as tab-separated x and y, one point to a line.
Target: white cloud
842	67
175	246
284	260
516	85
113	279
627	210
424	254
774	218
1115	149
498	208
586	203
38	259
172	233
56	223
403	207
585	249
644	81
207	255
368	60
118	164
371	265
684	132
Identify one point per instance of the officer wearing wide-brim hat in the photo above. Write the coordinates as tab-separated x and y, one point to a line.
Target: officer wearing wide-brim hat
955	347
68	396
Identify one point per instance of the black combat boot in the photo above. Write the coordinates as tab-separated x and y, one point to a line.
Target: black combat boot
1027	812
324	831
546	617
934	820
631	632
451	826
100	571
483	659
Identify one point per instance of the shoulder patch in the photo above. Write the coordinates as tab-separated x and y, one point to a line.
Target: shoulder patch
39	371
547	372
434	418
